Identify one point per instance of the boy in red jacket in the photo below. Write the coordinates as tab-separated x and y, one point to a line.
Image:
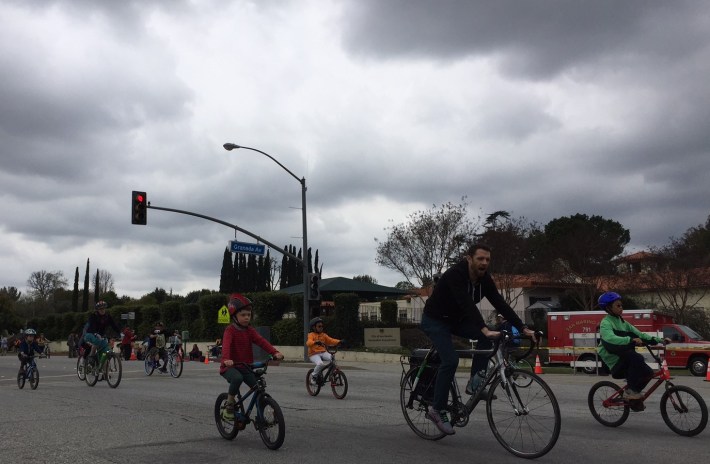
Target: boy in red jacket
237	350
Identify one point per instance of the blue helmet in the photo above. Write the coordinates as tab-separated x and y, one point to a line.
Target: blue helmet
607	299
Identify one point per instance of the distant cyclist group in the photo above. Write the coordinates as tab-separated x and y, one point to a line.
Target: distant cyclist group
522	410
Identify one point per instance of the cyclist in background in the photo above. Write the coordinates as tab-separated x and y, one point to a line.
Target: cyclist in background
617	349
157	339
96	328
451	310
27	347
316	343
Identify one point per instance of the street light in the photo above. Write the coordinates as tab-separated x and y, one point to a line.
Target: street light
302	181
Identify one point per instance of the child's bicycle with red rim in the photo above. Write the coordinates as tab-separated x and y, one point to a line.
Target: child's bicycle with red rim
683	409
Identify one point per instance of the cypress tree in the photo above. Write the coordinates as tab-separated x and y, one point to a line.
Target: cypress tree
226	274
85	300
243	274
97	288
236	278
283	276
75	292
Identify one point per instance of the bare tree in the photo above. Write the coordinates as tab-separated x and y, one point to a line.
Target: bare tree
428	243
105	281
43	285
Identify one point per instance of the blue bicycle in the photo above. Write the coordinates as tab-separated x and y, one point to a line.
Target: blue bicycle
269	420
30	373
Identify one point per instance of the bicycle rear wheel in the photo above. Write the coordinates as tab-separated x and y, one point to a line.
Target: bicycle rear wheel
270	422
415	405
313	389
175	365
34	379
114	370
339	384
81	368
684	411
227	428
613	415
529	429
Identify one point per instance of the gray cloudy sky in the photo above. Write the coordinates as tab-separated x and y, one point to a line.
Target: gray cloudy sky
544	109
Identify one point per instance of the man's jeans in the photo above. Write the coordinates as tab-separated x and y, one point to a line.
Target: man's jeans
440	333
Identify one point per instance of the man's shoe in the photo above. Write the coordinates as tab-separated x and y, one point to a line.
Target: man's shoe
630	394
441	420
637	405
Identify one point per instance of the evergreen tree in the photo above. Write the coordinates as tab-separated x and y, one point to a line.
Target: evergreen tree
252	272
236	278
75	292
243	274
97	287
283	277
85	300
226	279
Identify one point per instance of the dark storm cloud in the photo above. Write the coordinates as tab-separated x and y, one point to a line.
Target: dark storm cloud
532	39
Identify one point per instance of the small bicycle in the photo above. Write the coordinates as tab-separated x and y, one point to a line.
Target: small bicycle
269	420
331	373
105	365
30	373
173	358
683	410
522	411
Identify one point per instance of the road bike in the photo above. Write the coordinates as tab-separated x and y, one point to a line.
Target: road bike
683	410
105	365
522	410
30	372
331	373
268	420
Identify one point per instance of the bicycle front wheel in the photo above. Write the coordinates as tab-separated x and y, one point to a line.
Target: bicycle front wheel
227	428
415	405
34	379
270	422
525	420
339	384
684	411
92	370
150	362
81	368
21	379
615	412
523	365
114	370
175	365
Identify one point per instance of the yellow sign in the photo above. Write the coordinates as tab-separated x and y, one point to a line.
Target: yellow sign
223	315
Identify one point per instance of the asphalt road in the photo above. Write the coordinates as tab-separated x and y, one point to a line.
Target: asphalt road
159	419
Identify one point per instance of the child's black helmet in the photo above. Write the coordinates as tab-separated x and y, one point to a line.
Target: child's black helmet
315	321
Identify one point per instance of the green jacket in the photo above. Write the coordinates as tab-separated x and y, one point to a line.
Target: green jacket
616	335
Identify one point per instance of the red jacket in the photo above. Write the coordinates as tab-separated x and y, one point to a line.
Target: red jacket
236	345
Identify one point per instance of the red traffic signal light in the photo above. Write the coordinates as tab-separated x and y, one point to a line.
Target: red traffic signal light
313	287
139	208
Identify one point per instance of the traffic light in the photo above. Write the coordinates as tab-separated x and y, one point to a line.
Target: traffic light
313	287
139	208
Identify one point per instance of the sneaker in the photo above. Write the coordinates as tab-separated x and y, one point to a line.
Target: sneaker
163	369
228	412
630	394
314	381
441	420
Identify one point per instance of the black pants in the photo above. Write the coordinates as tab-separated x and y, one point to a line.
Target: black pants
632	365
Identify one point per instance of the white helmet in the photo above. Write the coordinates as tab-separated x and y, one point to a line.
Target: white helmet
30	332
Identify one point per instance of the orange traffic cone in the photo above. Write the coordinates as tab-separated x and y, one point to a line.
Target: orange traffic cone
133	356
207	359
538	366
707	375
664	366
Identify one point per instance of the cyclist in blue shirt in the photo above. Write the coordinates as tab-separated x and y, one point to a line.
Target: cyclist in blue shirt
27	347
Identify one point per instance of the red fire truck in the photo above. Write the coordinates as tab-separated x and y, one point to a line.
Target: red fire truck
574	335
